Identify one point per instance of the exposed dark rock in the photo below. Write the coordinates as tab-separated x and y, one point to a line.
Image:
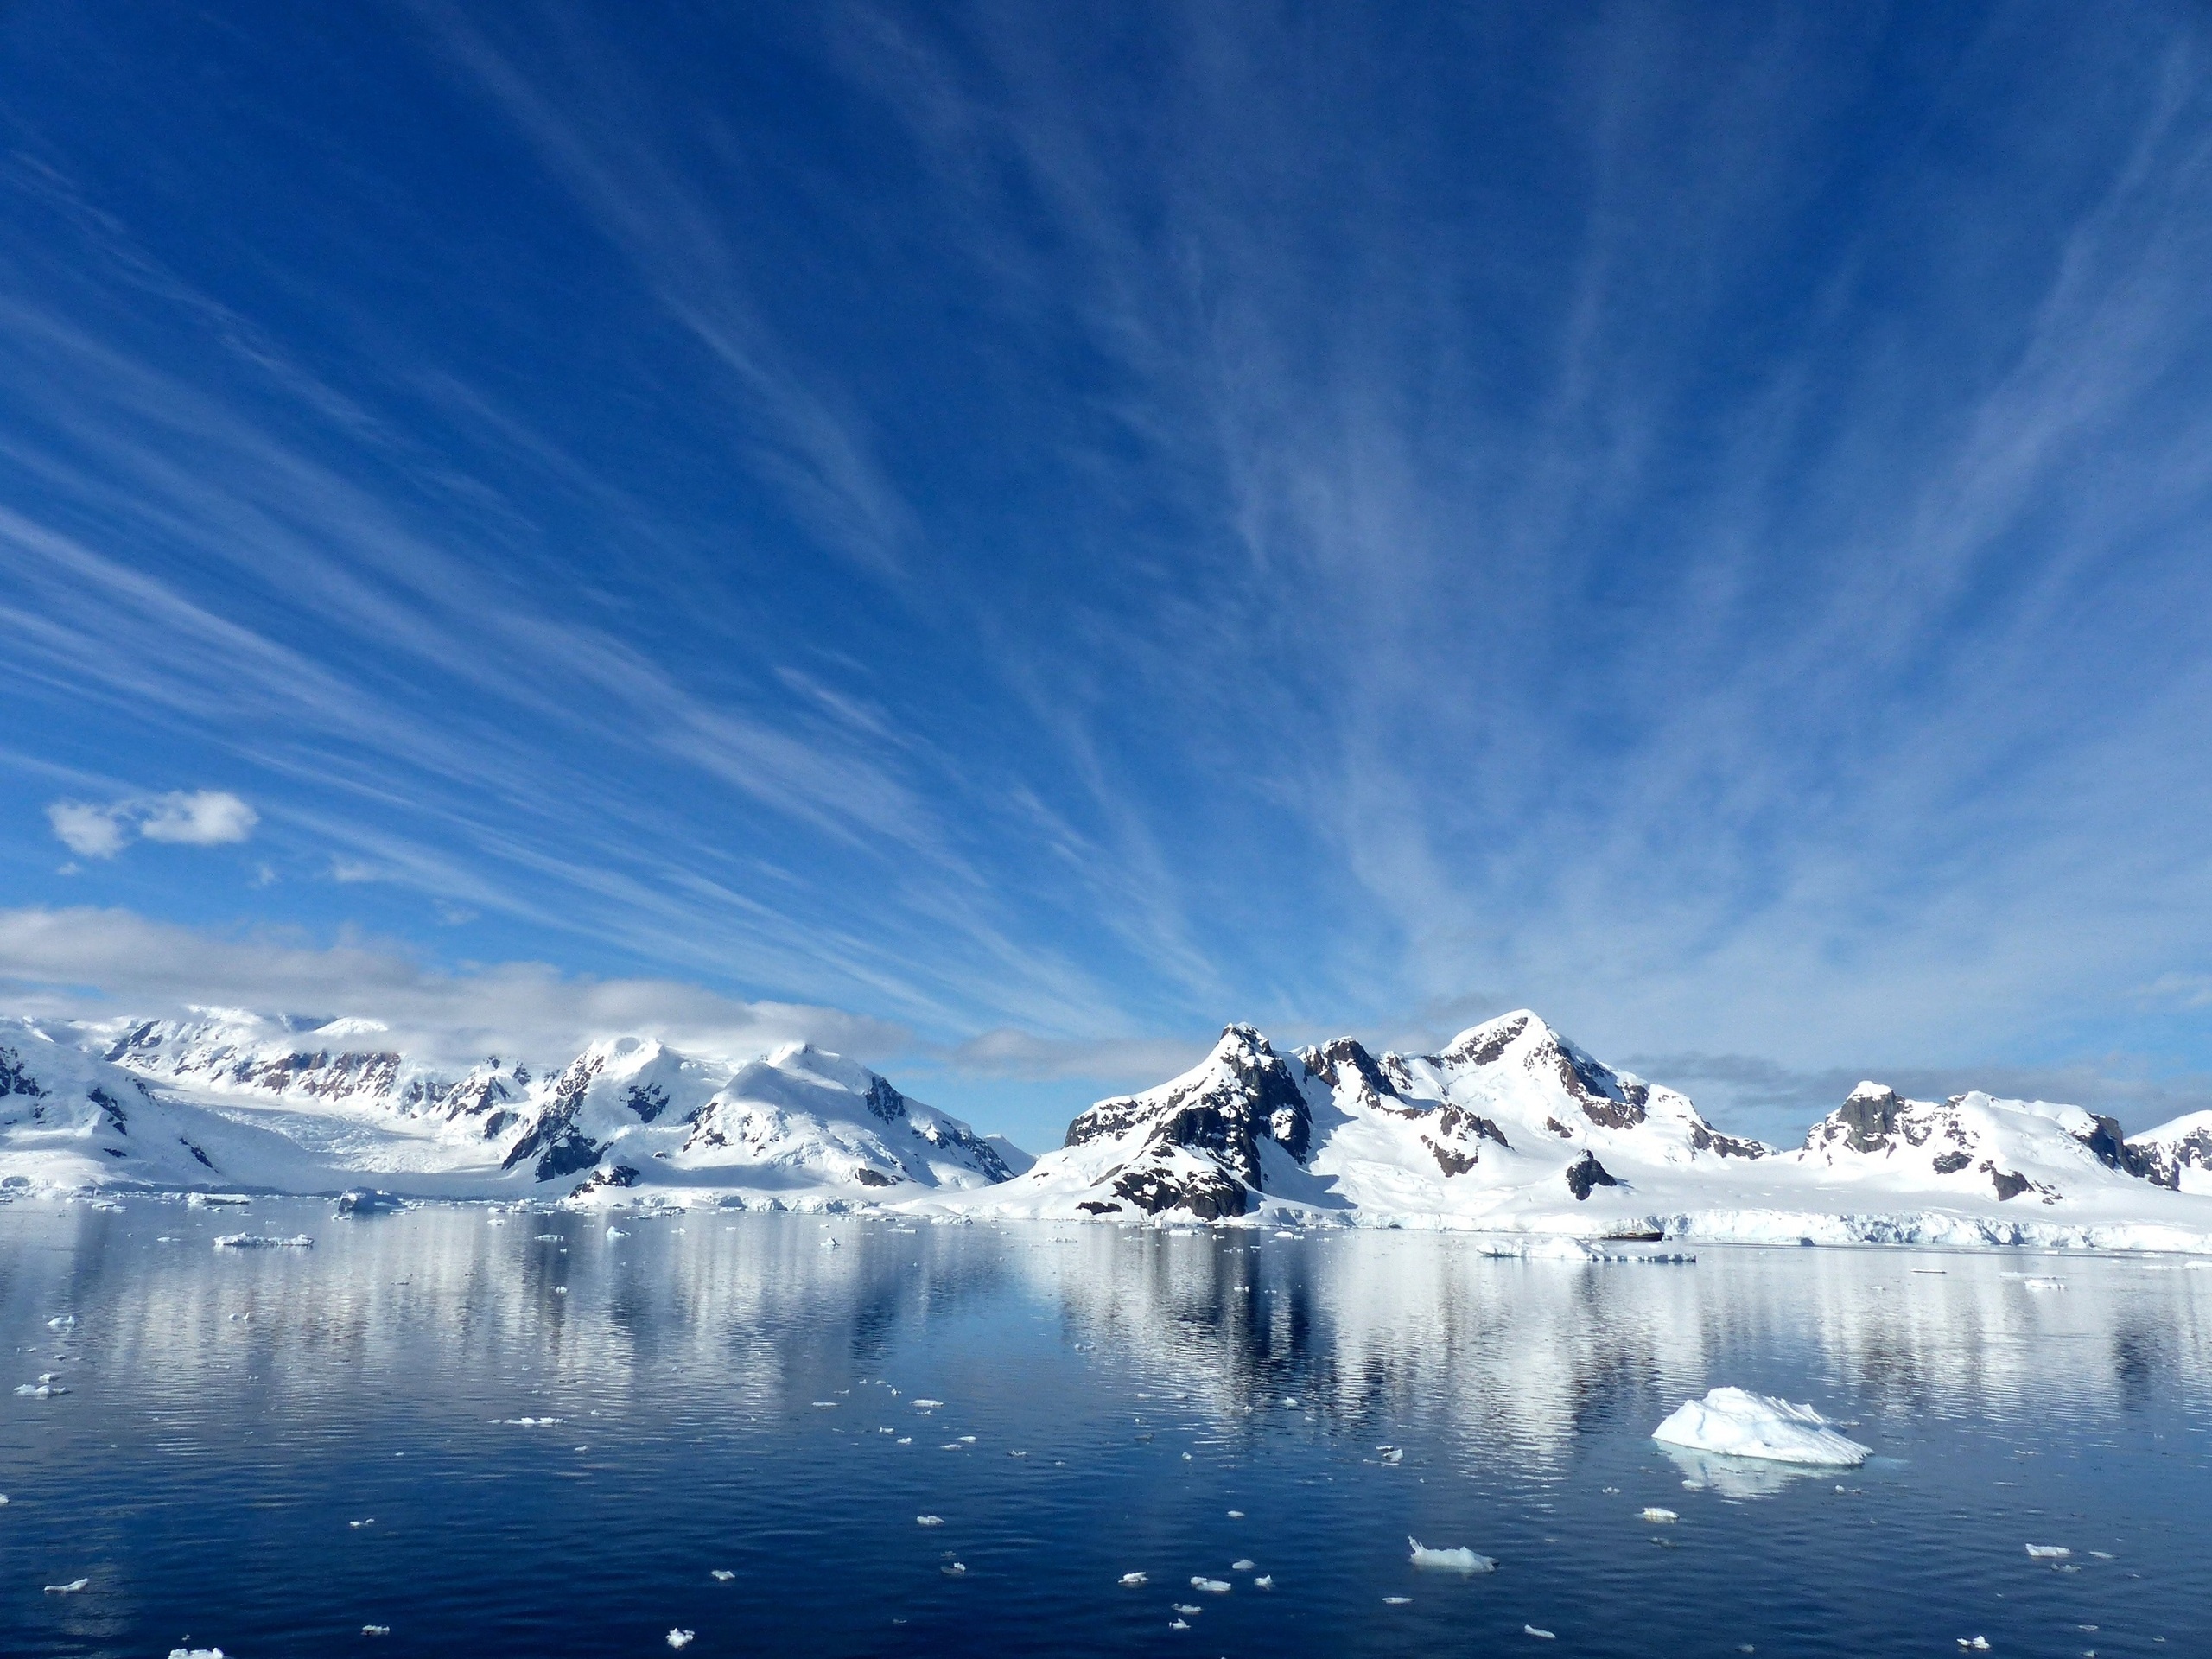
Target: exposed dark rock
14	1079
1706	1139
867	1177
1870	1118
647	1100
1100	1207
615	1175
1559	1129
2009	1183
1950	1163
2112	1150
886	1102
1210	1195
1584	1173
110	1108
572	1151
1482	1047
1451	1162
202	1157
1636	1232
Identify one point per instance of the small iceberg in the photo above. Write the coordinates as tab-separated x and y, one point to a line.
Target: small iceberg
1657	1516
1462	1560
1135	1580
1540	1635
195	1653
1242	1566
929	1520
1211	1587
69	1589
376	1630
2048	1551
1738	1424
365	1201
722	1575
1265	1581
682	1638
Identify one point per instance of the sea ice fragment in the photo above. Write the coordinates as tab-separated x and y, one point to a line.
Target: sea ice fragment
682	1638
1461	1560
1736	1423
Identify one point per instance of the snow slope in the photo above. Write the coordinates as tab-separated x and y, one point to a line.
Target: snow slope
1513	1129
304	1106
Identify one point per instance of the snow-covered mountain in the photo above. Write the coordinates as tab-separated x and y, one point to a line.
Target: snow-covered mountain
1511	1128
317	1106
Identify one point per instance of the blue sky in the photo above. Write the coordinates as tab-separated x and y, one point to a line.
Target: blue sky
1002	538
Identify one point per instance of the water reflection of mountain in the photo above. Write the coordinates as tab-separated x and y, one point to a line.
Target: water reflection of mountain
1365	1327
1360	1328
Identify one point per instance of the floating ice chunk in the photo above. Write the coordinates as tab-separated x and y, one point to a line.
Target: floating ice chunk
69	1589
1738	1424
1392	1455
1242	1566
2048	1551
1974	1644
376	1630
953	1569
528	1422
682	1638
61	1322
1135	1580
546	1238
1395	1601
1211	1587
1461	1560
925	1405
1265	1581
1187	1608
905	1440
195	1653
263	1242
929	1520
1656	1517
1540	1635
616	1232
370	1522
825	1405
1179	1625
1237	1515
2043	1284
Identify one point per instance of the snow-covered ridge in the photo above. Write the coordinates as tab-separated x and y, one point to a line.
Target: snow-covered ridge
1512	1128
230	1097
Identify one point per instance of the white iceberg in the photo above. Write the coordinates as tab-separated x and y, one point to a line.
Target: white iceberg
2048	1551
1211	1587
1134	1580
1462	1560
1738	1424
69	1589
681	1638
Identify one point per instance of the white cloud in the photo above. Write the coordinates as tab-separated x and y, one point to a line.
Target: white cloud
89	963
86	830
206	817
201	817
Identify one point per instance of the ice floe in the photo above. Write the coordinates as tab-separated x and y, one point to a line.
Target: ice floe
376	1630
1265	1581
722	1575
1135	1580
69	1589
1540	1635
1461	1560
2048	1551
1738	1424
263	1242
1211	1587
929	1520
682	1638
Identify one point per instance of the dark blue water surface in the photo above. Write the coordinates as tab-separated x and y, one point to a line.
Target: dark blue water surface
721	1387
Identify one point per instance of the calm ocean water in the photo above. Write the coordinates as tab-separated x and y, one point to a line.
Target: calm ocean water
494	1442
